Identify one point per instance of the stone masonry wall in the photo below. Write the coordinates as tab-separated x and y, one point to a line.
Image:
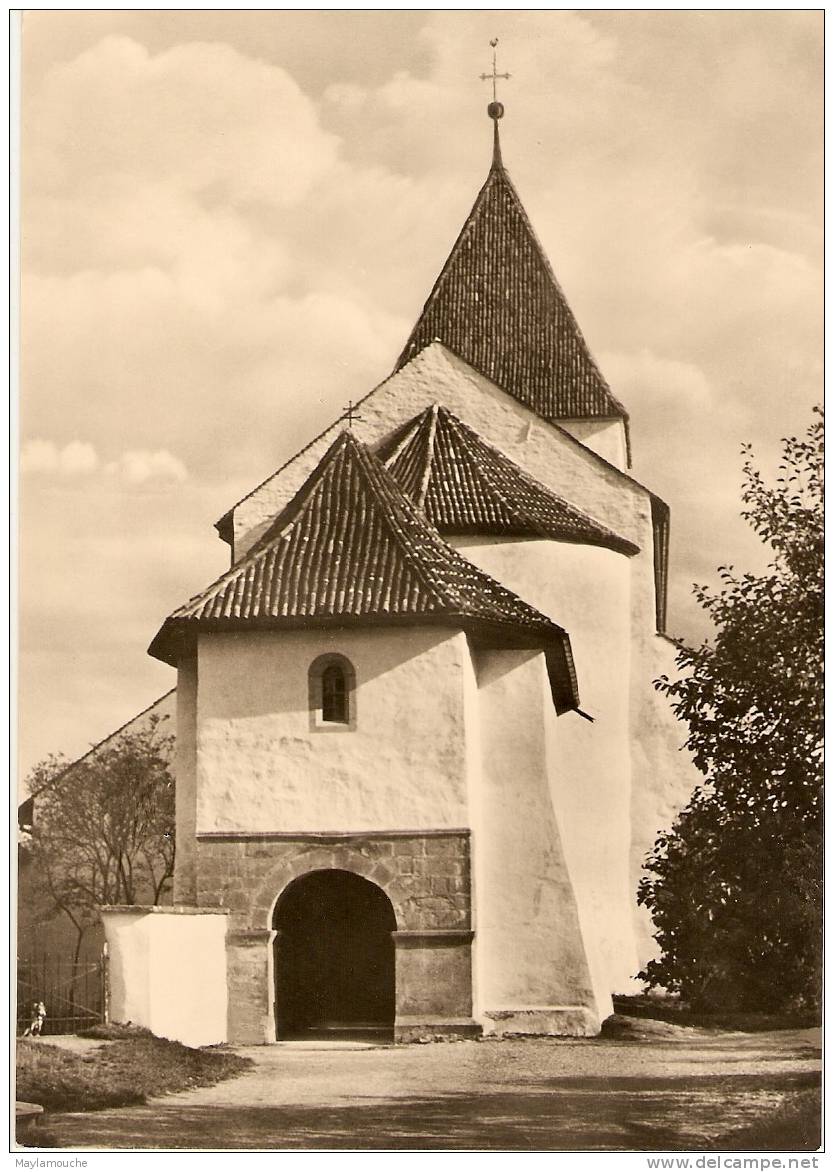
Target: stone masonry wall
426	877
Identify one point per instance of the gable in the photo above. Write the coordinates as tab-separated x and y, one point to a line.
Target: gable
542	449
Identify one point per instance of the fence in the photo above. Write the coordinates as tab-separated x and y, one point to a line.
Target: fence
73	992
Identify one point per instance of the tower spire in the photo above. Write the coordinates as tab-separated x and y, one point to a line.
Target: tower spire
495	109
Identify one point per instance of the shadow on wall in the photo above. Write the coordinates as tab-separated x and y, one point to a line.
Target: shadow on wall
373	654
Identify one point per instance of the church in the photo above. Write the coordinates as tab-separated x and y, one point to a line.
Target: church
420	758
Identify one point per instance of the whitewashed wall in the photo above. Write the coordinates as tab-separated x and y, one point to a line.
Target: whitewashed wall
532	969
168	972
261	766
586	590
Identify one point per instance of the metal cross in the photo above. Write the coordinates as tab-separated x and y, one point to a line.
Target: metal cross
350	413
495	75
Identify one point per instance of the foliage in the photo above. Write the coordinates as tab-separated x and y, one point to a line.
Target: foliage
735	887
103	828
118	1074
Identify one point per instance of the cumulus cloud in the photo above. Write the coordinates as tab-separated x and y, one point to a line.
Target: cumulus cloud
142	467
74	459
78	459
230	127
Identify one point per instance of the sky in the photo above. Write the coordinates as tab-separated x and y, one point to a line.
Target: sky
230	222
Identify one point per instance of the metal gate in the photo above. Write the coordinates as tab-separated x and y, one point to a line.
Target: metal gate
73	992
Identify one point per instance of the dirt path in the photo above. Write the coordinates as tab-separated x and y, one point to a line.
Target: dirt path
525	1095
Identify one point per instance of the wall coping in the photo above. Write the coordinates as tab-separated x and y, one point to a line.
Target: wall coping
449	934
137	909
325	835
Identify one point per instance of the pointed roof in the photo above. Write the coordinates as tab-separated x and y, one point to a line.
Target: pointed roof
352	549
464	485
498	305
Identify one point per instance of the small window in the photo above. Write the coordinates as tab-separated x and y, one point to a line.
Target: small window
332	693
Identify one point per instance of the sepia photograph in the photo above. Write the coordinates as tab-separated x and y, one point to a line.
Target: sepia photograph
419	619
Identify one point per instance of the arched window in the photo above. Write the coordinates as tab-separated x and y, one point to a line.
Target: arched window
332	693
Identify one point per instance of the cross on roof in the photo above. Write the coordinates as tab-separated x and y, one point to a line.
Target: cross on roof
495	75
350	413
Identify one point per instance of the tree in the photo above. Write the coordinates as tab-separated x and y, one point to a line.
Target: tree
103	828
735	887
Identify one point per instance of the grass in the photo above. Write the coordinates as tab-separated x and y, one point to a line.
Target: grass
796	1126
122	1073
115	1031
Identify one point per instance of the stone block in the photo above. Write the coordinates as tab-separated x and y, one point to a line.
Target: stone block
560	1021
443	847
433	975
434	1029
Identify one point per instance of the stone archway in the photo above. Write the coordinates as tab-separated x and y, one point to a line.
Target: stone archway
334	956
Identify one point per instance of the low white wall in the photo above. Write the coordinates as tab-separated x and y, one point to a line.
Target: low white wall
168	971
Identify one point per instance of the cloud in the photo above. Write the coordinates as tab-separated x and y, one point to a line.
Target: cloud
231	128
75	459
142	467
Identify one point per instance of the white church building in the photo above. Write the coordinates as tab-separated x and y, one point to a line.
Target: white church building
420	757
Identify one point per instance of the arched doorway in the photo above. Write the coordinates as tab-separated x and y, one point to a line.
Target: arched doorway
334	956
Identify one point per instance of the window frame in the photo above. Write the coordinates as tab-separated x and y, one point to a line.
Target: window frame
315	681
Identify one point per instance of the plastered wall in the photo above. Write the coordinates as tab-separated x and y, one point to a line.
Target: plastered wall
186	790
586	590
604	436
530	956
261	766
664	778
168	972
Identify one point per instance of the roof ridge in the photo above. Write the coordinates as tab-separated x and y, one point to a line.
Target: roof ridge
430	441
302	502
320	435
408	431
398	499
266	543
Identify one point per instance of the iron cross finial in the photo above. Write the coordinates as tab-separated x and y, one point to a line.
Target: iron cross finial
495	75
350	413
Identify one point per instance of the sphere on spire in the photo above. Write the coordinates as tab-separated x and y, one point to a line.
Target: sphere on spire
495	110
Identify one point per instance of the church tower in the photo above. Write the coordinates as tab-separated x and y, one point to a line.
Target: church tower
420	758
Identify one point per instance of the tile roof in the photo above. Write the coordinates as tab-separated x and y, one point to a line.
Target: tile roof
352	549
498	305
465	485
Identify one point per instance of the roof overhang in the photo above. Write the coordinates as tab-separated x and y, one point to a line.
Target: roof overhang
177	639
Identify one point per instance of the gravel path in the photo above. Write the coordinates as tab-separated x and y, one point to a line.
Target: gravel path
524	1095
